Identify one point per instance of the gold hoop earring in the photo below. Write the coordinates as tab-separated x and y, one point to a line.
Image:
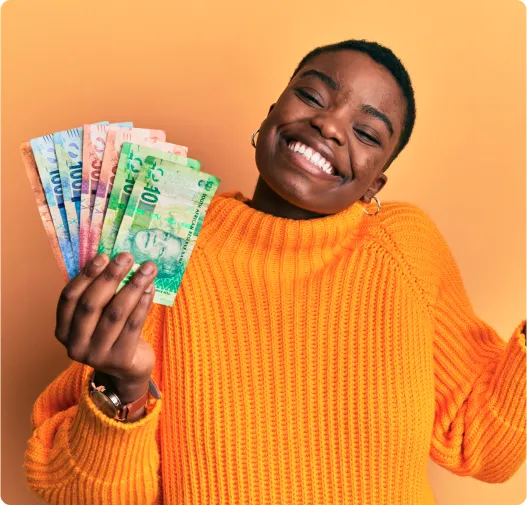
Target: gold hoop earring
253	143
378	207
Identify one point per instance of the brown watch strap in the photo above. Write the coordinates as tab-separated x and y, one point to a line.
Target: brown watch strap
131	408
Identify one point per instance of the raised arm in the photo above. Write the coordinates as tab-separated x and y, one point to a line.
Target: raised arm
76	453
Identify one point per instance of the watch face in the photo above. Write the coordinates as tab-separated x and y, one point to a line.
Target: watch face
104	403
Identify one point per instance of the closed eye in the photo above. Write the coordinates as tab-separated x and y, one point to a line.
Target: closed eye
369	137
308	96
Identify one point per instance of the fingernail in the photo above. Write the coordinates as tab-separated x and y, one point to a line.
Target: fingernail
98	260
149	289
122	258
147	269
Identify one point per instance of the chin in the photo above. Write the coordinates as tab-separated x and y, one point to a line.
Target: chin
300	192
293	179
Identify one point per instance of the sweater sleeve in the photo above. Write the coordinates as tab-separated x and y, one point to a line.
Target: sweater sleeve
76	454
480	379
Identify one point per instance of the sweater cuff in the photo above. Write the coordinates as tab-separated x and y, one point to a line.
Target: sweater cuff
112	450
508	384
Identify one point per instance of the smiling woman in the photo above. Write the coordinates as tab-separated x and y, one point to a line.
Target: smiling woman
316	353
351	104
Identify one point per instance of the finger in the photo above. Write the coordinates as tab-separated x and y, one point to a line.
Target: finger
116	315
125	346
92	303
71	293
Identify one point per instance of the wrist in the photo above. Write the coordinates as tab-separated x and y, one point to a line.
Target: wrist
122	399
139	414
127	390
130	392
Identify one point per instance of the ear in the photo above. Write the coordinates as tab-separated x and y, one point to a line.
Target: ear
375	187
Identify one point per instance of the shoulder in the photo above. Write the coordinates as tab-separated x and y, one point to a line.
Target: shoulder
409	225
416	240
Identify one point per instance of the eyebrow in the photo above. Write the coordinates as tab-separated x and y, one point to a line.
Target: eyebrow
372	111
325	78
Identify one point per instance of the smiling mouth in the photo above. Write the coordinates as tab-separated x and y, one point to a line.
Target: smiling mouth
311	155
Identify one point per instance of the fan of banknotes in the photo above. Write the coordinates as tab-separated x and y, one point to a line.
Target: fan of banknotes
108	188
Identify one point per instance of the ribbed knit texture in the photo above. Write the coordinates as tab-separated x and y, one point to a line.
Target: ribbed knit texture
313	362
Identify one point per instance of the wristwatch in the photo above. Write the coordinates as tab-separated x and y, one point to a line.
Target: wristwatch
109	403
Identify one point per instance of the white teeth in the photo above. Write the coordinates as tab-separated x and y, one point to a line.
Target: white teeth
313	156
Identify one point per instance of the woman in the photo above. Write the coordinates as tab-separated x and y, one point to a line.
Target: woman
319	348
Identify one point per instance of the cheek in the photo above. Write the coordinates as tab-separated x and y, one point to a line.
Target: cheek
366	168
268	139
365	161
171	257
290	109
266	144
173	249
139	255
145	253
138	248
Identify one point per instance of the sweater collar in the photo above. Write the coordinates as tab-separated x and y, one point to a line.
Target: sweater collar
230	224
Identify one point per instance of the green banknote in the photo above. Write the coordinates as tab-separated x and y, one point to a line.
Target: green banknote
131	161
163	219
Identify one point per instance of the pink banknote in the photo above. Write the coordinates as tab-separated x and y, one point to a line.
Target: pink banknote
36	185
108	168
93	148
94	142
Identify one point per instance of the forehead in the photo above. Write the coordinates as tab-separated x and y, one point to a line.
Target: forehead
361	80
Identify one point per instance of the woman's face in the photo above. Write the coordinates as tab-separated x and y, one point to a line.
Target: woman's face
348	109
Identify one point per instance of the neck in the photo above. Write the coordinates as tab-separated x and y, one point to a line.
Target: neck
232	227
268	201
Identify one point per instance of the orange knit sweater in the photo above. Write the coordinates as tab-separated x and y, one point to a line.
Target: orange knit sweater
315	362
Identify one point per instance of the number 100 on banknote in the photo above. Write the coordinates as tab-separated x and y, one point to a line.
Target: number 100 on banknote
154	207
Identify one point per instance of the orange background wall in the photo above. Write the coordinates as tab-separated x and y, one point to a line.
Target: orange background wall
206	72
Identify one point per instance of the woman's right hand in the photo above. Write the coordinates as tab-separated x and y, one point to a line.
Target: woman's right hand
102	329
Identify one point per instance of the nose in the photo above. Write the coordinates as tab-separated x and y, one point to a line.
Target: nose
329	126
